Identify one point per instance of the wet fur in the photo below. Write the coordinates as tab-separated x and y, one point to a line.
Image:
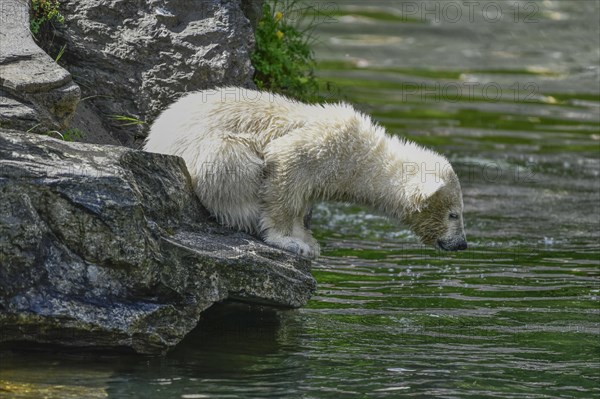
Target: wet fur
258	161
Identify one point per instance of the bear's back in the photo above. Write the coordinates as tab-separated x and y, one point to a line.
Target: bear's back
256	116
266	116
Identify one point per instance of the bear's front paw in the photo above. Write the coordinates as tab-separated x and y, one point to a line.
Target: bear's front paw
294	245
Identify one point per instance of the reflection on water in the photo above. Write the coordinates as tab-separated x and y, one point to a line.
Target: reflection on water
515	105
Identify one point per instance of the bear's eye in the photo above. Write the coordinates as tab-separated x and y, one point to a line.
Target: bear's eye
453	216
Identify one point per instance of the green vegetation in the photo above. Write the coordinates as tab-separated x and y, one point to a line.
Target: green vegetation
60	53
71	134
283	58
44	13
127	120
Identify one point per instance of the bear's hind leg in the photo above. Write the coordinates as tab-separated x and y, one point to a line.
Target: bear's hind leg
227	180
286	194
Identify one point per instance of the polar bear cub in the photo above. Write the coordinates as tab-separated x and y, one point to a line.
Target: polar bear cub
258	160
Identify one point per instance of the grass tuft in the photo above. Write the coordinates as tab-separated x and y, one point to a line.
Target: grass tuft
127	120
60	53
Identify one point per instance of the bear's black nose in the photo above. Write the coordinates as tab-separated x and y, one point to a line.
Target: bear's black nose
453	246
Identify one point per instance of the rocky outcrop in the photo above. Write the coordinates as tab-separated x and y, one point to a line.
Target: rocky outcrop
129	59
35	92
134	59
107	246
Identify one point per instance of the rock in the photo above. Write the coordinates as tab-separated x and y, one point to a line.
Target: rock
252	9
89	123
135	59
106	246
35	92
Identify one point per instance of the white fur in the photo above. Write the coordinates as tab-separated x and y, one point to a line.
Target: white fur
257	161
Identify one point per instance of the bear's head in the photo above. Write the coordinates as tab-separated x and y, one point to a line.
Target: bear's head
435	213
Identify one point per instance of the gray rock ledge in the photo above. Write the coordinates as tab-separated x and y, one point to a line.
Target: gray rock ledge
35	92
105	246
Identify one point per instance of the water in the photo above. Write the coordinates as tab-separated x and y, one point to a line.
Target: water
515	105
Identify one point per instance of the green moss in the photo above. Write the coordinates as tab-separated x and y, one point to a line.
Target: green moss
377	15
429	73
481	119
329	65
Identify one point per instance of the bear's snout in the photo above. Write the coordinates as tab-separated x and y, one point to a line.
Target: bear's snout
458	245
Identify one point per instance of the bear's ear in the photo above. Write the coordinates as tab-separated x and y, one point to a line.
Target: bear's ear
420	191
